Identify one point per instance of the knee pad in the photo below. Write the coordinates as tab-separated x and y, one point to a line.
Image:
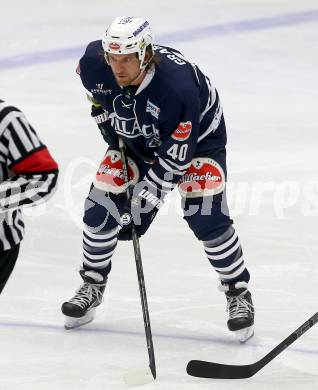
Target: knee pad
110	178
203	197
204	177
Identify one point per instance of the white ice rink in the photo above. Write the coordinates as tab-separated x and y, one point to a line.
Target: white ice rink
263	58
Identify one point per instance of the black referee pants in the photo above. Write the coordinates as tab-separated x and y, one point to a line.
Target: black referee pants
7	263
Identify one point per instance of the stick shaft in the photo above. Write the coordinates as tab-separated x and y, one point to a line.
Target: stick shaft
290	339
139	268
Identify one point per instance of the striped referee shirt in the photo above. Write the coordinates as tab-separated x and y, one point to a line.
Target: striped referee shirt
28	173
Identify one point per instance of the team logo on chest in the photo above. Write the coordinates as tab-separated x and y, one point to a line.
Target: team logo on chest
124	121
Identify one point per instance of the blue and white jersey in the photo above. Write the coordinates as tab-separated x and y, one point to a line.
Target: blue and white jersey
172	117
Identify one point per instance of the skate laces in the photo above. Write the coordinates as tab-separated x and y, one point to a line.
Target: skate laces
86	294
238	306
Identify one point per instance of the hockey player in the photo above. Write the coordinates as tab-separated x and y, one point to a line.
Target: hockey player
169	116
28	176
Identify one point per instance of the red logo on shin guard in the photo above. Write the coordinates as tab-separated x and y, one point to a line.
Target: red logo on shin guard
204	177
110	176
183	131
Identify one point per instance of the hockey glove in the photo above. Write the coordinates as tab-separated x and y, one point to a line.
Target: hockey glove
100	117
141	211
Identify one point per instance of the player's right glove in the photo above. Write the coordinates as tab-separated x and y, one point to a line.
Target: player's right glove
98	114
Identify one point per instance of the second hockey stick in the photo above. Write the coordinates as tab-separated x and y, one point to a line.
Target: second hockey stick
133	378
205	369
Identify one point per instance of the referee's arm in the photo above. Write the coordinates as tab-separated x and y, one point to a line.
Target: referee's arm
34	171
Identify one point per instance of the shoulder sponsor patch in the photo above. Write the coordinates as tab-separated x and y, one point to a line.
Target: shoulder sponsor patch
183	131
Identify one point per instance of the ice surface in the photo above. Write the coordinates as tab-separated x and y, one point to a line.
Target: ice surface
265	69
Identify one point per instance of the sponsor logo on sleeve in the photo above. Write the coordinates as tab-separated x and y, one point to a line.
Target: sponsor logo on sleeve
98	91
183	131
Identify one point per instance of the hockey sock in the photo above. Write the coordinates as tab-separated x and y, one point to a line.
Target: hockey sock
98	249
226	256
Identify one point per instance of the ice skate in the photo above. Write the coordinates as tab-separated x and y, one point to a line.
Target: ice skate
241	310
80	309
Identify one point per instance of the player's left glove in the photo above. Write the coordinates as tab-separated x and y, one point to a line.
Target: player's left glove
141	210
100	117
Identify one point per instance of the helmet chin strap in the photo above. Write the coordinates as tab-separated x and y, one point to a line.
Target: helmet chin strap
139	75
142	69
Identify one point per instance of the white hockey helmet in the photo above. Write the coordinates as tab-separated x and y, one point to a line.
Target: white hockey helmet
127	34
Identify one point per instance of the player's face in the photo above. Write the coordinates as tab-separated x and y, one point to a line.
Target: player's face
126	68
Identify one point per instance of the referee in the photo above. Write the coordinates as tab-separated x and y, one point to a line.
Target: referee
28	176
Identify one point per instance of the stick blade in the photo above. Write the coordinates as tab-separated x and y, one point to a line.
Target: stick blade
203	369
139	377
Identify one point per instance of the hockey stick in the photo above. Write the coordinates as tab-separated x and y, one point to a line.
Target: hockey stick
134	379
205	369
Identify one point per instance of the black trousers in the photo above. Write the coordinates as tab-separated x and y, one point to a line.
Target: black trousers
7	262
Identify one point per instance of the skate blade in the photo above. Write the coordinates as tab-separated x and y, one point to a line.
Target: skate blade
73	322
244	334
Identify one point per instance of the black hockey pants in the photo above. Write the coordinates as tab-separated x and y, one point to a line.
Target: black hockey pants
7	262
